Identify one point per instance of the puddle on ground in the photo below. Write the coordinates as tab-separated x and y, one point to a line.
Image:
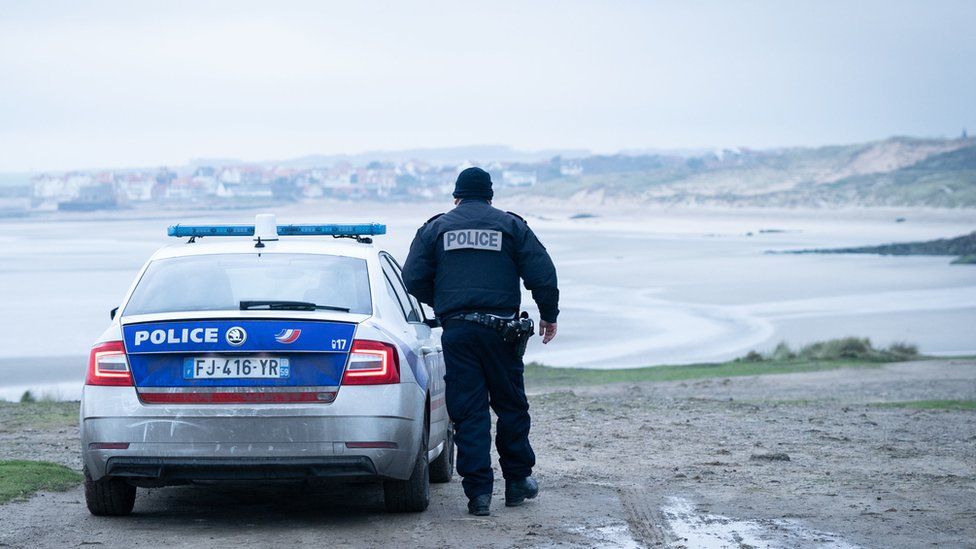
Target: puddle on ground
692	528
615	536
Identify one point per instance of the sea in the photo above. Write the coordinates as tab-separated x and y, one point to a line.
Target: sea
639	286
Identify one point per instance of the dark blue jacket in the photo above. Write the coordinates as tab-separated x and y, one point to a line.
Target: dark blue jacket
470	259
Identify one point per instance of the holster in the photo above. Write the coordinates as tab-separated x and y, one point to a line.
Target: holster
520	330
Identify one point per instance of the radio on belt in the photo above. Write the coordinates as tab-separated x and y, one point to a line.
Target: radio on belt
266	229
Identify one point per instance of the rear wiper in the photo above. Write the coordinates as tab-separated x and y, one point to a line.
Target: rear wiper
278	305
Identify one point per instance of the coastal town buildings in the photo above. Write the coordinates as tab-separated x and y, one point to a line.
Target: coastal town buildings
217	185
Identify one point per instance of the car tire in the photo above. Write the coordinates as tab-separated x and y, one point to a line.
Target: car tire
109	497
411	495
442	468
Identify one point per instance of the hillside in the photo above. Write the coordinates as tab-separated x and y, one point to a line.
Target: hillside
896	172
899	171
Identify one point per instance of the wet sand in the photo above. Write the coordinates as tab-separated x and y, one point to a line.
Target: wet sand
640	286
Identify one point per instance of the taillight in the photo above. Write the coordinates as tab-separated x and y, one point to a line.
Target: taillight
107	365
372	363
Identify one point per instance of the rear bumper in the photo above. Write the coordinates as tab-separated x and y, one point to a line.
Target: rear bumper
170	471
258	454
170	444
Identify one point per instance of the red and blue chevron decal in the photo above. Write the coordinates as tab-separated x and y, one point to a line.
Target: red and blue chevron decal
288	335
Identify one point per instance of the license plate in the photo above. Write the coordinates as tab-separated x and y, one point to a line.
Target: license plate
236	367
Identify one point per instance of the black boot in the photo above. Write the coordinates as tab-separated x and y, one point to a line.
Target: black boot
517	491
479	505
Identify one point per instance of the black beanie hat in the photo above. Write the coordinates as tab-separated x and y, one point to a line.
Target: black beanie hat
473	183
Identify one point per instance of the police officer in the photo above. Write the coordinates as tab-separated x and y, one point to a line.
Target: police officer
466	263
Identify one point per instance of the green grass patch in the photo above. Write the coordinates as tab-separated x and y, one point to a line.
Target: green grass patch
930	404
21	478
15	416
539	375
847	352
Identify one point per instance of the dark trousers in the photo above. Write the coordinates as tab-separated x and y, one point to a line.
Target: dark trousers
482	371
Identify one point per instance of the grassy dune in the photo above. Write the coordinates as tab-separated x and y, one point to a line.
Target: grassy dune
537	375
847	352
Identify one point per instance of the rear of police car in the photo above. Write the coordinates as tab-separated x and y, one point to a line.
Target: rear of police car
235	360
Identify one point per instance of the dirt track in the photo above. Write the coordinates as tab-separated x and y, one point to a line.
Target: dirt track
679	464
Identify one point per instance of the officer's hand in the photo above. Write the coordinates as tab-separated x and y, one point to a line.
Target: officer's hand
547	330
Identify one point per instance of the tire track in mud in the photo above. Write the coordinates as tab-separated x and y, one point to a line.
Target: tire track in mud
644	517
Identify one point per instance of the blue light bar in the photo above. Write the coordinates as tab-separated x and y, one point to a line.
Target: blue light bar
361	229
210	230
335	229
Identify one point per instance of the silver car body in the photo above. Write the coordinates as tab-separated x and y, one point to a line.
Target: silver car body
354	431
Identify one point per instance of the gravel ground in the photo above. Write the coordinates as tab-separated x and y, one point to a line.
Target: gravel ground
790	460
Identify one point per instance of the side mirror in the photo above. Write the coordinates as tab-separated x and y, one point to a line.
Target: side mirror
111	314
432	322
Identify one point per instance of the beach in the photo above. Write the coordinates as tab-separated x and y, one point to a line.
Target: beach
639	285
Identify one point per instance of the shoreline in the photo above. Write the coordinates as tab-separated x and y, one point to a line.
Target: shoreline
640	286
517	202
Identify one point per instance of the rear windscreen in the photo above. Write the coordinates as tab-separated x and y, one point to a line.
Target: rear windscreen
221	282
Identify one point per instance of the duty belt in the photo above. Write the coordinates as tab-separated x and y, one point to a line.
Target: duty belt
513	330
492	321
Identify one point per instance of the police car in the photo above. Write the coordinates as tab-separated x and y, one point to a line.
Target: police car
286	353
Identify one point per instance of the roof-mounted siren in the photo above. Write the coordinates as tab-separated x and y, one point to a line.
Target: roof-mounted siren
265	229
360	232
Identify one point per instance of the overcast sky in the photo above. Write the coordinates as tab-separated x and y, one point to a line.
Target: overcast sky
99	84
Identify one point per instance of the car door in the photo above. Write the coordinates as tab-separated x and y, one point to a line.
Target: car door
430	348
412	315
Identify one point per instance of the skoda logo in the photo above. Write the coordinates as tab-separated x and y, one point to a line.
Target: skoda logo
236	336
